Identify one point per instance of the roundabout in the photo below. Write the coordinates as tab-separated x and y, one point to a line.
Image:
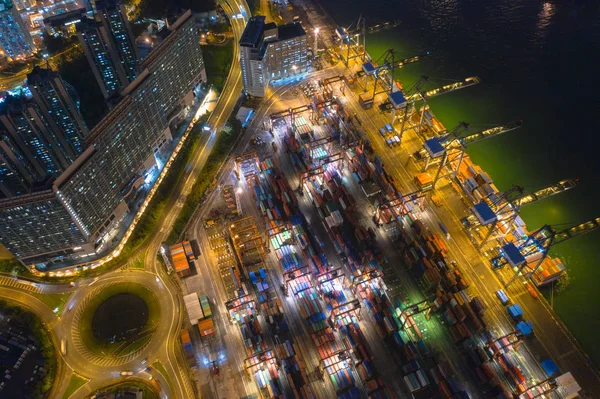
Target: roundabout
115	322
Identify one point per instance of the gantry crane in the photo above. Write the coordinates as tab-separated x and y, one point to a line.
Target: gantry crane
506	206
538	242
413	310
496	346
337	158
540	389
397	206
385	66
354	37
406	104
449	150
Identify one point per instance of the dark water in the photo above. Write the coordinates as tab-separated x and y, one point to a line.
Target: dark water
538	61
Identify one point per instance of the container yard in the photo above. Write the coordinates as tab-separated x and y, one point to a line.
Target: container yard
341	278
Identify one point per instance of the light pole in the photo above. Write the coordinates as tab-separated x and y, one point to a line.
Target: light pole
316	44
294	67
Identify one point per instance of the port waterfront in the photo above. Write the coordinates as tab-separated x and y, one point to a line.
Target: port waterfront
513	49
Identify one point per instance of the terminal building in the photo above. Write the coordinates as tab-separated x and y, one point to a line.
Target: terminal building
269	53
119	151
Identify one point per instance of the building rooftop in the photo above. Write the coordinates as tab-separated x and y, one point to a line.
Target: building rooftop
290	31
106	4
253	32
87	23
65	18
39	75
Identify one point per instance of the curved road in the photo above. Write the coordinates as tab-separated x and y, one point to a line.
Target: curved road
164	345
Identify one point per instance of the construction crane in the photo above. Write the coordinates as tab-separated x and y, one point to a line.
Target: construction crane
354	37
506	207
539	242
449	150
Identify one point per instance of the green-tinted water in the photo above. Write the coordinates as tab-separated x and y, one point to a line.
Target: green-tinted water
538	62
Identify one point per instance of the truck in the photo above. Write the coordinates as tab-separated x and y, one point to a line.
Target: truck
206	325
515	312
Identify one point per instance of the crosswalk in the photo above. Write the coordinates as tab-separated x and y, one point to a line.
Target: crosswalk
19	284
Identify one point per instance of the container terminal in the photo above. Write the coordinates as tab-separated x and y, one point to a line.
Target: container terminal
353	249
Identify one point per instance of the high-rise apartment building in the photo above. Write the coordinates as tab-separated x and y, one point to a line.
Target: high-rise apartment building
269	53
113	16
43	148
16	173
15	40
121	148
59	103
101	56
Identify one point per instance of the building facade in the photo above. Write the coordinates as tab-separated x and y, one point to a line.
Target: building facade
59	103
100	54
113	16
269	53
39	224
123	145
43	147
16	175
15	40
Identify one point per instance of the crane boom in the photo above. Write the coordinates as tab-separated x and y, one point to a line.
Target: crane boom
486	134
576	231
470	81
397	64
546	192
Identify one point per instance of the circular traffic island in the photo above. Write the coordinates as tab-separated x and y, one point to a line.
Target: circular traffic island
117	320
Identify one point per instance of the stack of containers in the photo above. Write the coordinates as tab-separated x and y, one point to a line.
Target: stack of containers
265	374
188	347
283	193
295	368
377	303
508	364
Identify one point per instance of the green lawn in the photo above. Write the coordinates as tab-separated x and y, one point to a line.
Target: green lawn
217	60
75	383
54	301
138	263
104	349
